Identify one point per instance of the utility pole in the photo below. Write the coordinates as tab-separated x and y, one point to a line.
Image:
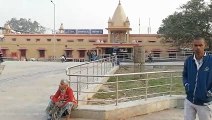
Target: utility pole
54	41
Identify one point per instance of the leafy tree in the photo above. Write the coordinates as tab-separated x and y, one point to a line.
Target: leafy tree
26	26
194	18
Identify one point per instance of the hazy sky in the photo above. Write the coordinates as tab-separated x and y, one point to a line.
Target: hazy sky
89	14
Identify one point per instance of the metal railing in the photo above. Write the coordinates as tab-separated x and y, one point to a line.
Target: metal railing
98	67
128	57
156	56
127	87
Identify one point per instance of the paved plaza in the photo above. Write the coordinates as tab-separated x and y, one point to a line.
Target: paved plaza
25	87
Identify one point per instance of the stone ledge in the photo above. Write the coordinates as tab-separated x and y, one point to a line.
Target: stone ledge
128	109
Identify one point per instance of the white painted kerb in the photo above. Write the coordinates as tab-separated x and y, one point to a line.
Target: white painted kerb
128	109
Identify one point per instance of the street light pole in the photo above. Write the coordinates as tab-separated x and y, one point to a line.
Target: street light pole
54	33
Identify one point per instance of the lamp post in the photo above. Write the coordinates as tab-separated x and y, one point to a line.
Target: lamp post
54	33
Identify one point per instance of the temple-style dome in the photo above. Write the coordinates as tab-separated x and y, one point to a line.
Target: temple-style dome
7	29
119	26
119	17
61	26
61	29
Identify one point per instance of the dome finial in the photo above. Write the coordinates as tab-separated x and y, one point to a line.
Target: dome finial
119	2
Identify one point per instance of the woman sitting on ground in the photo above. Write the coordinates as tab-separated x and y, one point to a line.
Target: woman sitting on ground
62	102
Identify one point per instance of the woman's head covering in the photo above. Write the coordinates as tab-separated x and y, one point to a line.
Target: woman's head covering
63	85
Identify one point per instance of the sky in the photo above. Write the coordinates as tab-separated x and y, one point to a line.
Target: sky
89	14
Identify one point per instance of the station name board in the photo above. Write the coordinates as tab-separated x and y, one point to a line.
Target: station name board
83	31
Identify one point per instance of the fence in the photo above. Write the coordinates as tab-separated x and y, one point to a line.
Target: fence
127	87
158	56
98	67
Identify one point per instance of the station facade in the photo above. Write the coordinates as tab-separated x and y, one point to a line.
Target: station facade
75	43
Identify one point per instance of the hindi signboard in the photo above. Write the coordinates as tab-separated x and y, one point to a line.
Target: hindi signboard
83	31
70	31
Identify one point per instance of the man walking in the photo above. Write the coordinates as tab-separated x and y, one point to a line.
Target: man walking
197	80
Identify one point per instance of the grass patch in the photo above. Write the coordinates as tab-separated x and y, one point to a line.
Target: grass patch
135	85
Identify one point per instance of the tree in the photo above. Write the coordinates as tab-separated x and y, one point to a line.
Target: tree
26	26
194	19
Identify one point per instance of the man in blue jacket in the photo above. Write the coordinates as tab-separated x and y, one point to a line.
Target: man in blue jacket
197	80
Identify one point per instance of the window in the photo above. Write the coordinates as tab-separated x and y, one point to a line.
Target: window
68	53
104	41
152	41
23	53
41	53
4	52
28	39
80	40
37	40
92	40
49	40
172	55
187	53
139	41
156	54
70	40
58	40
13	39
81	53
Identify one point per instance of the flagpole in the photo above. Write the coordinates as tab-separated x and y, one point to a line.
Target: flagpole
139	25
